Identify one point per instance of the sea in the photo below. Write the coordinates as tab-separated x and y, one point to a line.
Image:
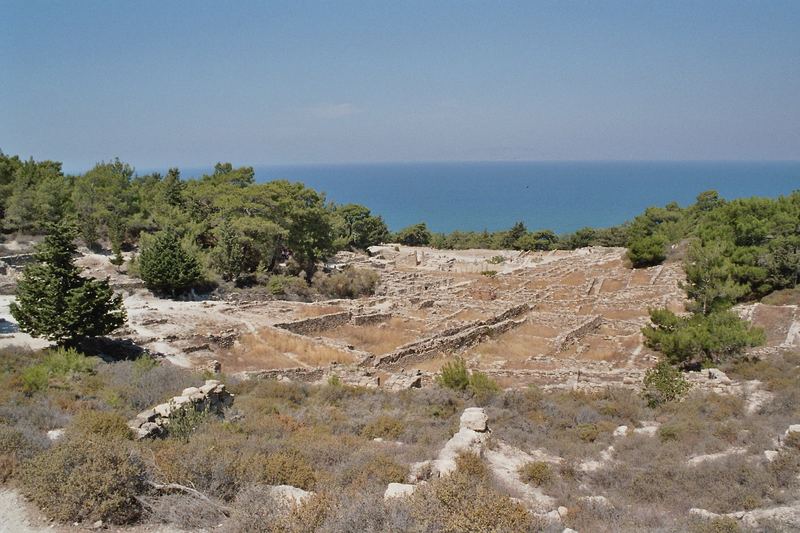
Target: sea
561	196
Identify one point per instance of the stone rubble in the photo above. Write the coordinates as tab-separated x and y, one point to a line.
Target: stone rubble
211	397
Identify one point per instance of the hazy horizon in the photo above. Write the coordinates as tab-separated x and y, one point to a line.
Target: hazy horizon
296	83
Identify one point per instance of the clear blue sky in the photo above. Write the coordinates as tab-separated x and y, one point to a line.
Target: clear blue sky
189	83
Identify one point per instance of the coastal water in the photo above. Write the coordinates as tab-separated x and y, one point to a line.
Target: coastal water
562	196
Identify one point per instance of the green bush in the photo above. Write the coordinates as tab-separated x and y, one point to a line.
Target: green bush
536	473
700	338
34	378
283	285
416	235
184	422
647	251
349	283
482	386
85	480
454	375
663	383
164	265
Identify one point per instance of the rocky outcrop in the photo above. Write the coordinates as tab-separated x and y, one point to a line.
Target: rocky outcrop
398	490
211	397
316	324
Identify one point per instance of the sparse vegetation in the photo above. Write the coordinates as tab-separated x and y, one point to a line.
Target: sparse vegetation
663	383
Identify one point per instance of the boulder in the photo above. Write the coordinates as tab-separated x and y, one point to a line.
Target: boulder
621	431
718	375
474	418
289	494
398	490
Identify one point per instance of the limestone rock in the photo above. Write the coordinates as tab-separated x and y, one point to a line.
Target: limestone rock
474	418
289	494
398	490
718	375
55	434
621	431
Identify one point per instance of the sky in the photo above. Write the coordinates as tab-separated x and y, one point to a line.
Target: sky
188	83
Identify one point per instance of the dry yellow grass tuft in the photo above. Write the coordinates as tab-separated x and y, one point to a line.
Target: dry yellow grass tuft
270	348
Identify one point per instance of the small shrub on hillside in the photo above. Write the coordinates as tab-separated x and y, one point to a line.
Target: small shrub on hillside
454	375
34	379
482	386
16	446
722	524
288	287
103	424
496	260
85	481
184	422
663	383
587	432
385	427
536	473
349	283
471	464
287	467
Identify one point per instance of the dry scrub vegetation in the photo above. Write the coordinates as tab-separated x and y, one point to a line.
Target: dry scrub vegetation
271	348
321	438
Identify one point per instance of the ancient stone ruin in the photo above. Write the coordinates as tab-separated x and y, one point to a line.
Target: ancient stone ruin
212	397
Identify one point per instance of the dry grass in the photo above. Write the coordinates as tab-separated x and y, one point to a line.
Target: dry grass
379	338
270	348
311	311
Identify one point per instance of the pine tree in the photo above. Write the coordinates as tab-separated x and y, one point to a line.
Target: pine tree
228	255
165	266
55	302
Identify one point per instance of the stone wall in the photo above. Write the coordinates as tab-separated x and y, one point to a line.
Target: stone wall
454	338
316	324
567	338
211	398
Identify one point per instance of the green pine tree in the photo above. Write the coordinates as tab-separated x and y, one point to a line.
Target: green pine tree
165	266
55	302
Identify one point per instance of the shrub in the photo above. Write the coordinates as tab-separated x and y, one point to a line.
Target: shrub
184	422
386	427
85	481
482	386
471	464
700	338
587	432
454	375
282	285
722	524
647	251
416	235
15	446
349	283
536	473
496	260
164	265
104	424
287	467
34	378
663	383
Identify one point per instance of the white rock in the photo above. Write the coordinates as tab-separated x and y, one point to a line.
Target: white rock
474	418
289	494
163	409
719	375
771	455
562	511
794	428
621	431
55	434
398	490
648	428
700	459
702	513
189	391
568	530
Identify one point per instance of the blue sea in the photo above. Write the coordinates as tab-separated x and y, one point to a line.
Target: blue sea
562	196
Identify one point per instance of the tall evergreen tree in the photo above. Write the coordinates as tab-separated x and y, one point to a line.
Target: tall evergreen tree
55	302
